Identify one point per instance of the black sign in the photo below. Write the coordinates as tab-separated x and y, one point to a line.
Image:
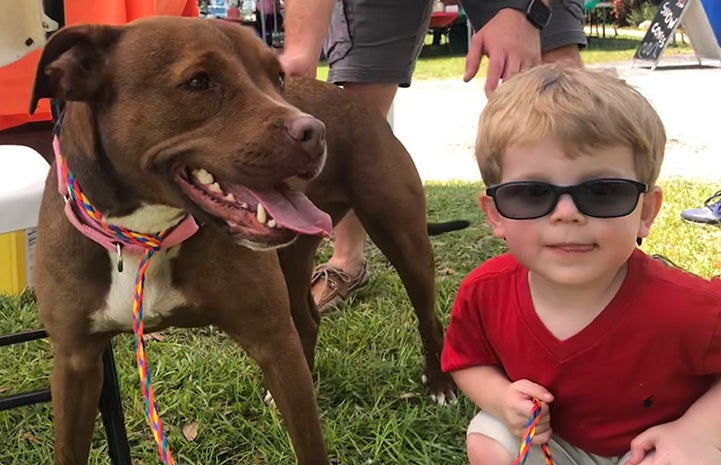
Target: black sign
661	29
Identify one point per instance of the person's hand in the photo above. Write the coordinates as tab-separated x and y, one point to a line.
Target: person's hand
510	42
299	62
518	405
672	444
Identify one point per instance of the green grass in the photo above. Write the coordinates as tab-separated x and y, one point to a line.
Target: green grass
373	407
439	64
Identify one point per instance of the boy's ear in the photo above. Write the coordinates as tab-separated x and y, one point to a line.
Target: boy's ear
488	206
650	206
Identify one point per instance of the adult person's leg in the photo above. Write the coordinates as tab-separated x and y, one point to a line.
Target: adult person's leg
371	48
563	37
368	52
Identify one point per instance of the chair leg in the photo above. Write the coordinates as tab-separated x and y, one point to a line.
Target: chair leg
111	411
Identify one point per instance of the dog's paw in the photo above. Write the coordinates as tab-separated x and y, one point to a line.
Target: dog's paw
440	394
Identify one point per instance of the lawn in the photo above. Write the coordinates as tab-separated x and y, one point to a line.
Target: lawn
373	407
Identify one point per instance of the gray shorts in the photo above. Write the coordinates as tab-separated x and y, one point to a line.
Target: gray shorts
565	27
378	41
563	452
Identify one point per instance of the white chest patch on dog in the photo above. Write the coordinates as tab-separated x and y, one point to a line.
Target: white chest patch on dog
159	296
149	219
159	299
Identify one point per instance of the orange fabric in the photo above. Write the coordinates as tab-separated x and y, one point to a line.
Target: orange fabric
16	79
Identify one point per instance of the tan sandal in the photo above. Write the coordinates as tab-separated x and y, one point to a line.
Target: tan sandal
331	286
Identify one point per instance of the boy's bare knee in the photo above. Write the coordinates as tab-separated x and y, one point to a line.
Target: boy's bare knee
483	450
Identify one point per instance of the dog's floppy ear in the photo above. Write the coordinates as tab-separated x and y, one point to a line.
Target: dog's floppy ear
72	64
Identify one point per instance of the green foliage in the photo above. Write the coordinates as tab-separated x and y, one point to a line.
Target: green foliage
644	12
634	12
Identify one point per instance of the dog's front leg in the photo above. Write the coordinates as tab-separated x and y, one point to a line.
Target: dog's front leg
296	260
272	341
289	380
76	381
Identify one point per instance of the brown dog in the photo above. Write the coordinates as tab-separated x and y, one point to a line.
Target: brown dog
168	117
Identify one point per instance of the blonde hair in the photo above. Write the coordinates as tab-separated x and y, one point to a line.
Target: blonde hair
580	108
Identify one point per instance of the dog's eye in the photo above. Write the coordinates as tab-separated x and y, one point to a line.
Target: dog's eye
281	80
200	81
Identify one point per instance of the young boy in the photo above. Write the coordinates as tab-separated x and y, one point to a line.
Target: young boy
622	351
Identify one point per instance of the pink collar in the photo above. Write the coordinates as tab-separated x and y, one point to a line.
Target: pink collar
92	225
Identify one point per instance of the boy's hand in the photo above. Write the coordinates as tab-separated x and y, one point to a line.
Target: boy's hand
518	405
673	443
510	42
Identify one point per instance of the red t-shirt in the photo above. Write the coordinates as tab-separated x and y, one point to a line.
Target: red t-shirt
644	360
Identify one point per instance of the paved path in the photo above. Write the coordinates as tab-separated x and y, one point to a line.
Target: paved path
436	120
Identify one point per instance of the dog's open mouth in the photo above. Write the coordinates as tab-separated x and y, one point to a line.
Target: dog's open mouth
264	217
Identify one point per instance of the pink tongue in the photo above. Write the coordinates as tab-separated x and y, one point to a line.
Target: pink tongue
294	211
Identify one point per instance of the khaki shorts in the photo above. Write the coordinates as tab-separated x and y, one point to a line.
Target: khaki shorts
378	41
563	452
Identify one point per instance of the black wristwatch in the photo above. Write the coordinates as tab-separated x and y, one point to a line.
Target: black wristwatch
537	12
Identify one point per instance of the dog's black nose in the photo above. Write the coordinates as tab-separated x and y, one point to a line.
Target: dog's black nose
309	132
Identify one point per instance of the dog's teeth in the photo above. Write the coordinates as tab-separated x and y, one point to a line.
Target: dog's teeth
261	215
215	187
230	198
272	223
244	205
203	176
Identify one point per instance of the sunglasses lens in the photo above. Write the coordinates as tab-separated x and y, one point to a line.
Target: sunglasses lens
524	200
601	198
608	198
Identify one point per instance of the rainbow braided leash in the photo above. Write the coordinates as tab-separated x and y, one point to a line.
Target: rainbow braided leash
146	387
528	437
151	243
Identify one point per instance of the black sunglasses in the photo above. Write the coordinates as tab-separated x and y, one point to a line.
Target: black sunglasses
599	198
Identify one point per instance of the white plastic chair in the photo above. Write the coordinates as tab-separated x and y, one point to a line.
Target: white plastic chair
22	180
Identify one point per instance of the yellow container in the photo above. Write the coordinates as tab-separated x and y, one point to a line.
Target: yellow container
14	262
